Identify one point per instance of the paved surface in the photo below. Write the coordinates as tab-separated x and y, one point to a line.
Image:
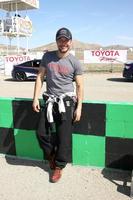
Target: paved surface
29	180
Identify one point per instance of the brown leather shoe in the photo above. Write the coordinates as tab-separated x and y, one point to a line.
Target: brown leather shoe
56	175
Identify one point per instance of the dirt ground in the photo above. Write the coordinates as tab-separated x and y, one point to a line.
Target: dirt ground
29	180
97	87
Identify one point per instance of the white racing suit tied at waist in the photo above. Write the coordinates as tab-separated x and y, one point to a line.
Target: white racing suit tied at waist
59	100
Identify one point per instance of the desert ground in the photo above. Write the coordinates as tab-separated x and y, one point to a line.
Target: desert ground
97	87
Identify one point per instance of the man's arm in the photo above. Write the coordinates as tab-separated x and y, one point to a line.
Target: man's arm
37	88
79	93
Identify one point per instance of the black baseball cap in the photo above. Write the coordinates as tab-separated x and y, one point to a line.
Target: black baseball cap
63	32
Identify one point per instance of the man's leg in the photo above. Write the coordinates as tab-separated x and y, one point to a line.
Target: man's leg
44	135
64	144
64	137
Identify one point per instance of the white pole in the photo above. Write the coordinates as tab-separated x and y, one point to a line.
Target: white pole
7	44
17	43
27	44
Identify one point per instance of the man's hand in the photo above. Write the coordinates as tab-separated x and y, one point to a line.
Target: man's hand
77	115
36	105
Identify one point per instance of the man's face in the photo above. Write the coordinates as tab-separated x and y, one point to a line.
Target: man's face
63	44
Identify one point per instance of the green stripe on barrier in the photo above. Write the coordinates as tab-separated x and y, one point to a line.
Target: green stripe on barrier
6	117
88	150
120	112
27	144
119	120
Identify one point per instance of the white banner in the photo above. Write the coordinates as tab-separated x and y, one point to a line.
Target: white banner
105	56
16	26
14	59
24	26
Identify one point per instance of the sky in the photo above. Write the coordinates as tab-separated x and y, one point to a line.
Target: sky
90	21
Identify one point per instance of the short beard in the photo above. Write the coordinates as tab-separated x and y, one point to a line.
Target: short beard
60	50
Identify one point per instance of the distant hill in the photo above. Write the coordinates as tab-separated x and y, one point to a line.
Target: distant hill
79	46
76	45
117	47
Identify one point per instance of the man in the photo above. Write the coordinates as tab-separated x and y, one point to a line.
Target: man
62	106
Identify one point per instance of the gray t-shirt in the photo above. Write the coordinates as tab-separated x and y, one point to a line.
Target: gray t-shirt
60	72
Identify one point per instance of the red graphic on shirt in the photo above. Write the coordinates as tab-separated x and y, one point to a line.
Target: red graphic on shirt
59	68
